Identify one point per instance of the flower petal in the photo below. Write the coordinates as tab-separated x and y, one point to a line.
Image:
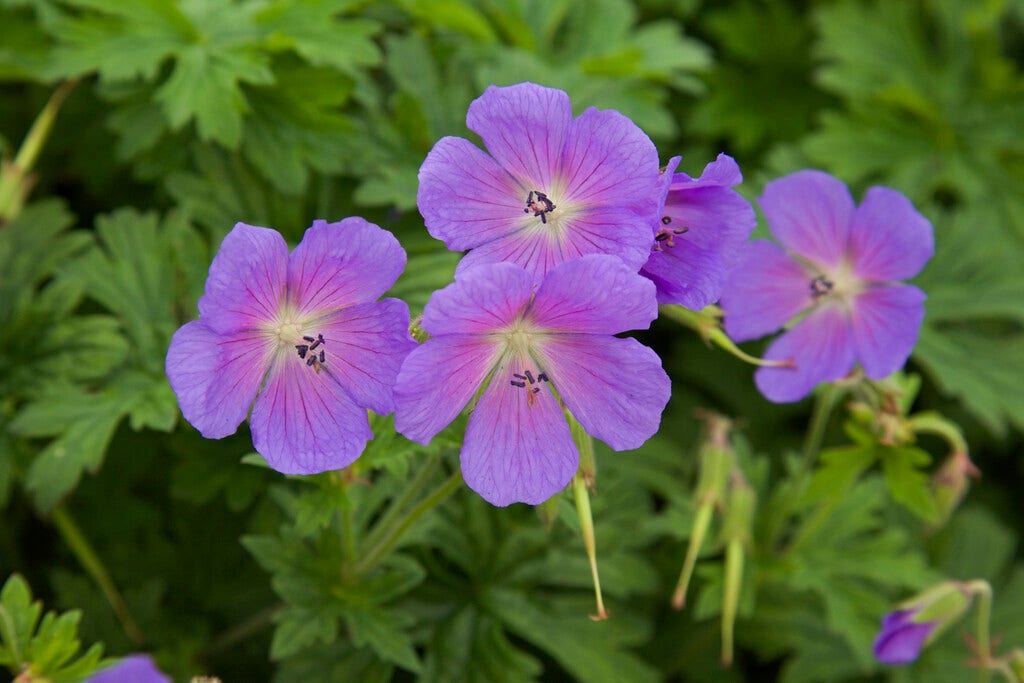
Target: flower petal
365	346
809	212
524	128
216	377
437	380
305	422
465	197
822	347
718	221
246	284
763	291
889	239
901	640
518	447
722	172
886	322
339	264
131	669
616	388
595	294
480	300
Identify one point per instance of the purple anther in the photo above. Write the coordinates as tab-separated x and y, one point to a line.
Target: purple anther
518	384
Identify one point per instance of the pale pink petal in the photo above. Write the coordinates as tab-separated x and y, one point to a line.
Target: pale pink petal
305	422
437	380
594	294
364	348
809	212
763	291
246	284
889	239
339	264
886	322
524	128
480	300
616	388
518	448
822	348
216	377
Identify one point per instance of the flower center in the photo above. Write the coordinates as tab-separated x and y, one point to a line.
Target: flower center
666	236
821	286
539	204
309	352
532	389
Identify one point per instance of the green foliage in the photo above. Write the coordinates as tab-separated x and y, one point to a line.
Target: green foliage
47	648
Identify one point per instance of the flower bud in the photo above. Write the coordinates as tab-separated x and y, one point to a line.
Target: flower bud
919	620
950	483
737	535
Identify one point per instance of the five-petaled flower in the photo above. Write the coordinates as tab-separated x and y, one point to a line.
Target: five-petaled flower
553	187
305	332
701	226
839	273
536	350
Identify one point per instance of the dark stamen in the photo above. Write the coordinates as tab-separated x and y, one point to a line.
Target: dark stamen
323	358
820	286
518	384
543	377
665	220
518	376
536	389
311	360
302	348
309	339
529	376
661	237
680	231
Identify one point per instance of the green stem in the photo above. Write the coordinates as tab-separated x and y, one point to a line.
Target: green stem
239	632
94	566
395	532
348	537
823	407
413	489
984	592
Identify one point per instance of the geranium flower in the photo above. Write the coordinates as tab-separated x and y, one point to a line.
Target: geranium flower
131	669
304	331
901	638
535	353
840	272
701	226
552	188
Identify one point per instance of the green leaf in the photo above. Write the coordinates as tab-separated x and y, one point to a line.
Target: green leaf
908	484
314	30
298	628
384	632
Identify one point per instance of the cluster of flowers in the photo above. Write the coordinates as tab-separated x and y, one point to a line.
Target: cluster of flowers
574	235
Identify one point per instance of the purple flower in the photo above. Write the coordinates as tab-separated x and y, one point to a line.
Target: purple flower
701	226
131	669
535	351
901	639
553	187
305	332
838	277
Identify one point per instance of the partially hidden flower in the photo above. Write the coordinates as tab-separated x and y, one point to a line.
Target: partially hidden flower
835	283
534	350
303	335
699	230
131	669
549	188
920	620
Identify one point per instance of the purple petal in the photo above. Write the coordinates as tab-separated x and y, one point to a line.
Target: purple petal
305	422
594	294
466	198
216	377
616	388
809	212
524	128
365	347
480	300
900	640
518	448
763	291
536	252
437	380
131	669
339	264
718	222
246	284
722	172
822	347
886	321
889	239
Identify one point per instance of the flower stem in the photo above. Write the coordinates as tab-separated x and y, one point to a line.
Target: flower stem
823	407
983	590
239	632
393	534
13	183
390	517
582	497
94	566
707	323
